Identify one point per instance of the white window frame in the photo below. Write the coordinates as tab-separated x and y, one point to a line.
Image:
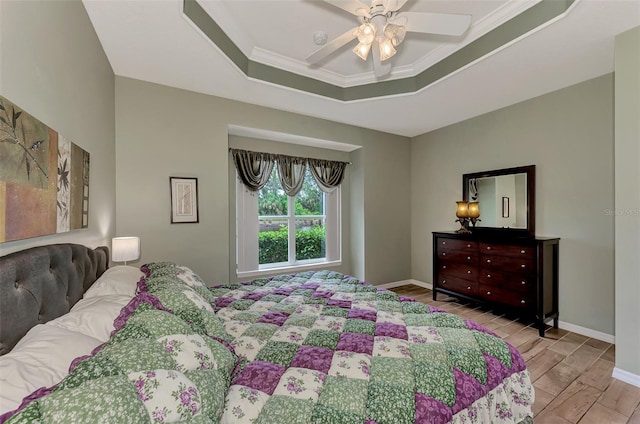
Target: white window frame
247	227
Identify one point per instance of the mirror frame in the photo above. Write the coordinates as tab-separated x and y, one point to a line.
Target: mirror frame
530	171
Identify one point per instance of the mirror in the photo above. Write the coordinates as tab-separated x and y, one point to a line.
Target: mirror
506	198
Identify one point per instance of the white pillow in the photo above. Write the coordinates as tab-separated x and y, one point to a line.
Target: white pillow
116	280
40	359
94	316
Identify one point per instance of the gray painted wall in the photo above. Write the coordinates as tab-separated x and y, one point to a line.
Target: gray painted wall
568	135
164	132
627	205
52	65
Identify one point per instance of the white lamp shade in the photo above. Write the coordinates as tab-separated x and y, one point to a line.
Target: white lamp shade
125	249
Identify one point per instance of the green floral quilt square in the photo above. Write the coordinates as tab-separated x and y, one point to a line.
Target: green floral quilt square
396	371
344	394
390	404
361	326
248	316
261	331
435	380
301	320
296	411
322	338
280	353
335	311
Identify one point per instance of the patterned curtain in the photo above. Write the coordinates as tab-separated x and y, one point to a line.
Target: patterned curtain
291	173
254	168
327	173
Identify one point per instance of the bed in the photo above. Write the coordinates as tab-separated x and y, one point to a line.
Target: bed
158	344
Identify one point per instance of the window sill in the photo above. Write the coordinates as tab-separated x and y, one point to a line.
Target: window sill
287	270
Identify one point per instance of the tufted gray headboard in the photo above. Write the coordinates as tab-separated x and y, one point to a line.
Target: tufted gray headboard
43	283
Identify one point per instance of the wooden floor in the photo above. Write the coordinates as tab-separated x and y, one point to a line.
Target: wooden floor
571	373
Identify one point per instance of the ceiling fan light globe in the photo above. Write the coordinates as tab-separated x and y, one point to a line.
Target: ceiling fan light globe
366	33
362	50
386	49
395	33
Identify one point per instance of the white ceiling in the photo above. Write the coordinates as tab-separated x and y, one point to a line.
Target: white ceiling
152	40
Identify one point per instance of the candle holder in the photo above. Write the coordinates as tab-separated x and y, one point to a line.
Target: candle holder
467	213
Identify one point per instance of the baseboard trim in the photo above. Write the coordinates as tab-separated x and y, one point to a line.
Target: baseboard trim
626	376
405	283
587	332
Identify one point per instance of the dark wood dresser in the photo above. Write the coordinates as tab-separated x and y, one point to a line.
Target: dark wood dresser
514	274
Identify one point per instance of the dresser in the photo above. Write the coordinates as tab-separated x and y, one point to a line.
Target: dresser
516	275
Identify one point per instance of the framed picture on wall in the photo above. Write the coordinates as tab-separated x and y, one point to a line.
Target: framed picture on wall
184	200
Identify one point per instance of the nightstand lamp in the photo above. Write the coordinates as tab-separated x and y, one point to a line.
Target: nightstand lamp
125	249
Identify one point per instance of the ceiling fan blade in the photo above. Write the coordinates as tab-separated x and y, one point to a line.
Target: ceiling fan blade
380	70
392	5
331	46
436	23
354	7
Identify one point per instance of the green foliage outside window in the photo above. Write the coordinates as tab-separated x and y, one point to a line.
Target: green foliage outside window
272	245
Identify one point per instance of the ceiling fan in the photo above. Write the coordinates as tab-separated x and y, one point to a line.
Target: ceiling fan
383	25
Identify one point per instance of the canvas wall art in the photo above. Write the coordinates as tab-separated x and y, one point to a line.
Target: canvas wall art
44	178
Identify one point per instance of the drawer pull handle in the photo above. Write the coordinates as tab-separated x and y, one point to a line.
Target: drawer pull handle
488	275
488	261
524	283
444	253
444	242
522	251
523	266
469	272
488	292
468	258
444	267
468	245
444	281
468	287
523	301
488	247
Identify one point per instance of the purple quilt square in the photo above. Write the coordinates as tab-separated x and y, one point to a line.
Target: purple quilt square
362	314
260	375
282	292
392	330
339	303
358	343
253	296
307	286
313	358
406	299
430	410
277	318
496	371
468	390
326	295
222	302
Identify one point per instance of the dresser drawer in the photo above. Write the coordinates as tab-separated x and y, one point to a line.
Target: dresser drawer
456	269
507	280
446	243
524	264
508	250
466	287
465	256
506	297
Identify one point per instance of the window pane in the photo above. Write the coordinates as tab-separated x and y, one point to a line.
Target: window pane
272	200
310	199
310	239
273	241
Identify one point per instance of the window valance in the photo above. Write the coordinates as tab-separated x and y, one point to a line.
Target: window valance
254	169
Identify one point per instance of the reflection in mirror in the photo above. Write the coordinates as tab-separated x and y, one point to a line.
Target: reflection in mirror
502	200
506	198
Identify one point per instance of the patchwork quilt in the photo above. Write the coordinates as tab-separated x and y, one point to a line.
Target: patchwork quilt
315	347
322	347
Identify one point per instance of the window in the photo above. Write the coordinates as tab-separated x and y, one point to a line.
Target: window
276	231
